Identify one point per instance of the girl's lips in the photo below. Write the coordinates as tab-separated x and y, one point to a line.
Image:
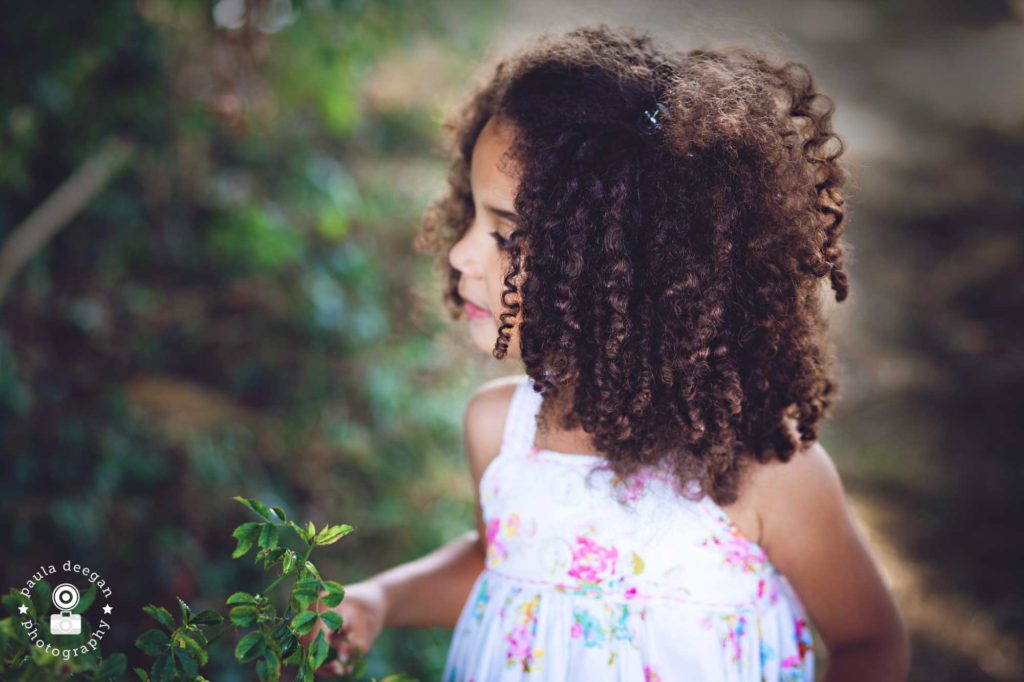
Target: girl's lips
473	310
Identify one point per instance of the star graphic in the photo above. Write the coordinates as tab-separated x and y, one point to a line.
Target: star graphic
107	608
23	609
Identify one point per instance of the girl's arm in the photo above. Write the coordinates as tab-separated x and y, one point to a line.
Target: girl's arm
431	591
810	537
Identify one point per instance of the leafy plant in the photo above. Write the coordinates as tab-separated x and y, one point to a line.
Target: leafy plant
182	648
270	638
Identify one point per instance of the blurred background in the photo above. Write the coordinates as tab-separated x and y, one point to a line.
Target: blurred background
208	289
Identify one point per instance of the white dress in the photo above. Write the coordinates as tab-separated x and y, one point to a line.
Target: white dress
589	580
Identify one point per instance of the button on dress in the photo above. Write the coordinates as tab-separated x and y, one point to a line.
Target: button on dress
593	580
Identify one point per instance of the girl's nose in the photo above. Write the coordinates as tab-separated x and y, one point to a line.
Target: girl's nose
462	257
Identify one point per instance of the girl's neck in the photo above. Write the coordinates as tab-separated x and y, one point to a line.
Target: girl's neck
570	442
573	441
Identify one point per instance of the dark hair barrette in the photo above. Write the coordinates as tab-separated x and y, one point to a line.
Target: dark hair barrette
649	119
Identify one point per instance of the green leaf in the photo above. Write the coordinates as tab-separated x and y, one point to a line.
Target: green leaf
289	644
331	619
331	534
241	598
189	667
186	612
41	596
313	570
244	616
319	650
268	536
307	585
303	600
304	595
162	669
244	545
288	564
306	599
256	506
88	597
162	615
152	642
293	654
269	669
197	634
249	529
246	534
400	677
335	593
249	647
334	587
303	622
310	530
112	666
269	556
305	591
143	675
280	631
207	617
194	648
280	513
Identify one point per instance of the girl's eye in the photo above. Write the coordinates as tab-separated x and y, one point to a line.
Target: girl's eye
502	242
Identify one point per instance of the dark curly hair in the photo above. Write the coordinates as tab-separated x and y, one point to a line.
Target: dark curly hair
669	298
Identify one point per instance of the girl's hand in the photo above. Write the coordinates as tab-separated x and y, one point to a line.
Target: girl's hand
363	612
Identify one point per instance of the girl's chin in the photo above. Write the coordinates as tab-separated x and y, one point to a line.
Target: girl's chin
483	336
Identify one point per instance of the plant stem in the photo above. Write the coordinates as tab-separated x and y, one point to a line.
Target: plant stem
281	577
266	592
274	584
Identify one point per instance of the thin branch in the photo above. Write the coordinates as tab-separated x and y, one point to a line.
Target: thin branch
60	207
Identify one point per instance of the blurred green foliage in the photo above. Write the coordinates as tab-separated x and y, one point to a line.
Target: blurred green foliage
230	314
180	648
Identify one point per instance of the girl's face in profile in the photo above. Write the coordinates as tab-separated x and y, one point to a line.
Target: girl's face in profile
478	255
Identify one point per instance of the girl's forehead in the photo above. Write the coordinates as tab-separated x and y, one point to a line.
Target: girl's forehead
493	141
489	168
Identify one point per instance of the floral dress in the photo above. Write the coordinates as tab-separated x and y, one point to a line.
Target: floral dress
589	579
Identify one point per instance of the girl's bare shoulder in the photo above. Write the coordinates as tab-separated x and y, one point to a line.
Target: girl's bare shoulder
774	493
753	486
812	537
484	421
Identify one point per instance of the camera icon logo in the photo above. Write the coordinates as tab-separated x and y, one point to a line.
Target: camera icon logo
65	597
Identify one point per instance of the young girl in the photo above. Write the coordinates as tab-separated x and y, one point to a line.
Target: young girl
648	231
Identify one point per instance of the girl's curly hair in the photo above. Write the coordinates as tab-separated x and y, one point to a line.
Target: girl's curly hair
669	278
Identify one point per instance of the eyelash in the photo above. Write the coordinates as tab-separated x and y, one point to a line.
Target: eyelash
503	243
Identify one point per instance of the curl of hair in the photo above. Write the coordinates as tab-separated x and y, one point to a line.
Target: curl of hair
671	301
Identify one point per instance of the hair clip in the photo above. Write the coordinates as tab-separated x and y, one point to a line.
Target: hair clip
649	122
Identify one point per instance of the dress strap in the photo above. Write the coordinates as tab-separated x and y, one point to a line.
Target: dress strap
521	422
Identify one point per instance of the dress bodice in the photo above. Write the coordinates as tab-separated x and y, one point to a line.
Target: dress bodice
644	538
591	578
